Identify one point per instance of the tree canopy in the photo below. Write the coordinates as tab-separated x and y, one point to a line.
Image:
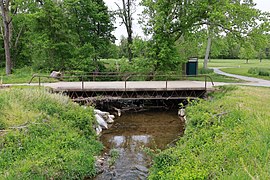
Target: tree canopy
51	34
74	34
174	20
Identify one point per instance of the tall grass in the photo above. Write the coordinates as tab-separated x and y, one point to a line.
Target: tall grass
45	136
227	137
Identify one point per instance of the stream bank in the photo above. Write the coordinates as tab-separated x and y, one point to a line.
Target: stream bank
130	135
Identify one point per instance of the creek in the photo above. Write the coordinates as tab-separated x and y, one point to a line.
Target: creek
131	134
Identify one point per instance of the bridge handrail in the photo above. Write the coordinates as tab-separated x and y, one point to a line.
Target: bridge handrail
127	76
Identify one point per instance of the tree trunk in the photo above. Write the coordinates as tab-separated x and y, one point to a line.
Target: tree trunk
7	36
130	55
129	30
207	52
125	13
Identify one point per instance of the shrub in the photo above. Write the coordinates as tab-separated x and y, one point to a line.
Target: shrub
259	71
264	72
253	70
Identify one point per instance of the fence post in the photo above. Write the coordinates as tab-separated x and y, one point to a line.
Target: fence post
39	81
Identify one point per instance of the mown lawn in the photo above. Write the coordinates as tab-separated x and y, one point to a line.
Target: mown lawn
45	136
23	75
240	67
226	137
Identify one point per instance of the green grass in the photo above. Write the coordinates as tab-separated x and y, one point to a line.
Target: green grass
239	67
227	137
45	136
23	75
237	63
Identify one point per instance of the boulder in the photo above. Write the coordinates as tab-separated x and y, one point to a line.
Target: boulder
56	74
101	121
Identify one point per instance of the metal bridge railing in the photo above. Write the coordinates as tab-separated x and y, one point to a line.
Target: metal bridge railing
114	76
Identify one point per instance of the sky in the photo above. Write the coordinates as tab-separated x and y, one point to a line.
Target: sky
263	5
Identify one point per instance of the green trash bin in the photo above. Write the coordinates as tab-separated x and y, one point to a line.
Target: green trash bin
192	67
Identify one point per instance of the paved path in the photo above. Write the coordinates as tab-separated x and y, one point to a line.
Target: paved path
250	80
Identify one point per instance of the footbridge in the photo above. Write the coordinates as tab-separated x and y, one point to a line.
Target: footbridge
128	86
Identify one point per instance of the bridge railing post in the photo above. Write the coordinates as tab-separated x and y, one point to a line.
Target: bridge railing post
125	84
166	83
205	82
82	83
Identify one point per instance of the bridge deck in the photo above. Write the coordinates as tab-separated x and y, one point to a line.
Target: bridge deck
131	86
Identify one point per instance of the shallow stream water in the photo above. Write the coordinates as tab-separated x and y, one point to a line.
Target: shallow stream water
130	134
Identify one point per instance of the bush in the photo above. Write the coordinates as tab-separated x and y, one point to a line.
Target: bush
264	72
253	70
259	71
56	139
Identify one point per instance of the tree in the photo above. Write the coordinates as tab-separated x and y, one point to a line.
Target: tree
126	13
7	34
140	47
174	19
247	51
91	22
159	23
55	34
229	17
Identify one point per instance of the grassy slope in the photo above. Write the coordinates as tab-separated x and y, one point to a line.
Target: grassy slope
56	141
227	137
240	66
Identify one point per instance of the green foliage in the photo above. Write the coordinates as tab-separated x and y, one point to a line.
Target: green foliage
206	71
56	139
247	52
226	138
259	71
179	29
114	155
60	35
